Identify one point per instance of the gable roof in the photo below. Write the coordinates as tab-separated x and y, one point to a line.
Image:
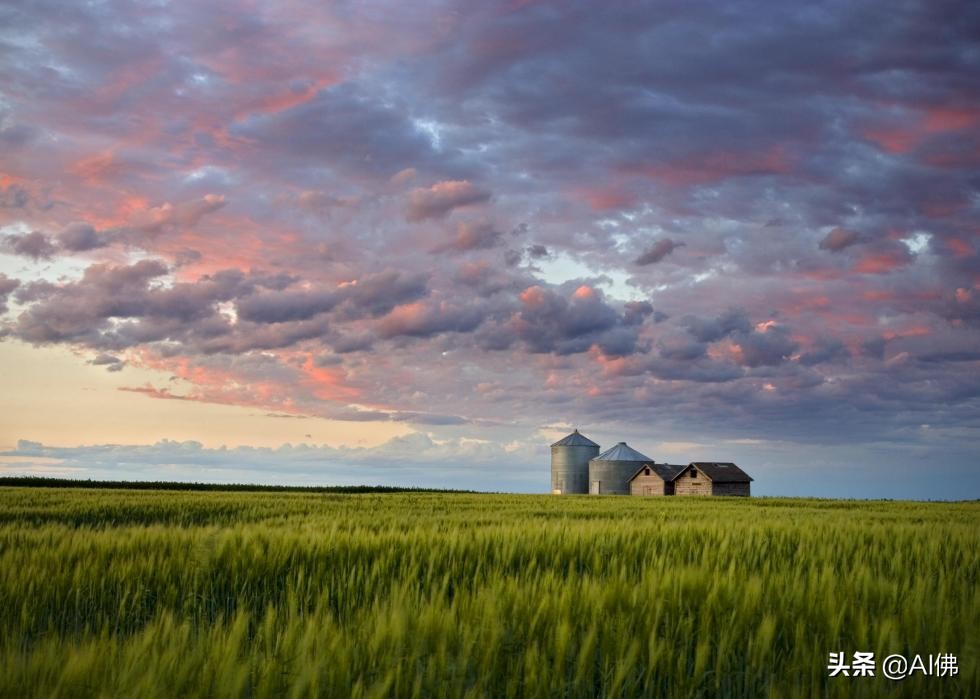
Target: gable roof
667	472
719	471
575	439
622	452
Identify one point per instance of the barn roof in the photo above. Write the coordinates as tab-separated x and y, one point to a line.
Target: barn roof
575	439
720	471
622	452
667	472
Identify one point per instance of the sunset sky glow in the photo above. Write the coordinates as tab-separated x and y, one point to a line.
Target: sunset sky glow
415	243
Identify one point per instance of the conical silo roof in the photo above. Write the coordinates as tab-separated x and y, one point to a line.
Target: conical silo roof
575	439
621	452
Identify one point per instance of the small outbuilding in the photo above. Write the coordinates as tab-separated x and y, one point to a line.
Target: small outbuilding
654	479
712	478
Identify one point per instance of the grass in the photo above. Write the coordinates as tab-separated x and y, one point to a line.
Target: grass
165	593
46	482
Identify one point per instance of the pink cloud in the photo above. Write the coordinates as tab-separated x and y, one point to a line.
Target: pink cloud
716	166
443	197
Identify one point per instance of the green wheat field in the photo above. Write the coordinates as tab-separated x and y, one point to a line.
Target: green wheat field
116	593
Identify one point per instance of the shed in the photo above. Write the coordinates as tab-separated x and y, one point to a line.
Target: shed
654	479
712	478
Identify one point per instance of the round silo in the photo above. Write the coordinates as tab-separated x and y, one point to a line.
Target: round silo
570	464
610	471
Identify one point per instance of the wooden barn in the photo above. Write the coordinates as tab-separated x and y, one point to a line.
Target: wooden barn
712	478
654	479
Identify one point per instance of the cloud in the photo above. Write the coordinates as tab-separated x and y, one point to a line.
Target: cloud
109	361
657	252
35	245
80	237
551	322
89	310
731	321
838	239
420	319
414	459
438	200
285	306
768	348
538	252
182	215
471	236
825	351
264	220
7	286
346	125
14	196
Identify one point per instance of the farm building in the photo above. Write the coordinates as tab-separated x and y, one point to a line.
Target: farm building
610	471
577	467
654	479
712	478
570	464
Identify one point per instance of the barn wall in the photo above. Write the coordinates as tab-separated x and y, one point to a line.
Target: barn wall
739	489
647	485
685	485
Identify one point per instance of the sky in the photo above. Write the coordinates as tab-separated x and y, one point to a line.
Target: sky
415	243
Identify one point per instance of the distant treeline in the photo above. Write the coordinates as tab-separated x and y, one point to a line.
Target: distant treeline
43	482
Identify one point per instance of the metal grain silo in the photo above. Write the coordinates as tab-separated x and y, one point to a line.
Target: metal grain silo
610	471
570	464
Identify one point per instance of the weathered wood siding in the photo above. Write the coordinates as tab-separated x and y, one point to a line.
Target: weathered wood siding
740	489
686	485
649	485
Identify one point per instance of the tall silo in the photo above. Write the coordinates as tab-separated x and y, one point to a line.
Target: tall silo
570	464
610	471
